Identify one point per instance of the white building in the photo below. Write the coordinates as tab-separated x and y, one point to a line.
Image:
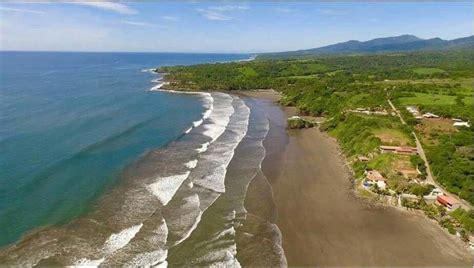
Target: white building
430	115
461	124
373	177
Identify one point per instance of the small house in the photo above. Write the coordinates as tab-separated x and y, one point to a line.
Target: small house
413	110
436	192
373	177
447	201
399	150
461	124
430	115
362	158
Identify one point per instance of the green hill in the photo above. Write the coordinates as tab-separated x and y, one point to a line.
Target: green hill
402	43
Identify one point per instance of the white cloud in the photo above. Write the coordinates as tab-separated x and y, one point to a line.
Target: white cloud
221	12
213	15
229	8
22	10
138	23
109	6
170	18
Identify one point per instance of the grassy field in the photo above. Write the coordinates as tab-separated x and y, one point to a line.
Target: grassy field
429	99
466	85
393	137
309	76
468	100
428	71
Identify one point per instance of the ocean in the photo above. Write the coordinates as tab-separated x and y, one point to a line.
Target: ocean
99	166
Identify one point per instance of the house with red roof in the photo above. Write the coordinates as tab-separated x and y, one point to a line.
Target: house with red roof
448	202
373	177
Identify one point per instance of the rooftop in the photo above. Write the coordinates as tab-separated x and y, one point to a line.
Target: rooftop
374	175
447	199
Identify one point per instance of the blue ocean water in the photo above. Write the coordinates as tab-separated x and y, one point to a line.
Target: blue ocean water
70	122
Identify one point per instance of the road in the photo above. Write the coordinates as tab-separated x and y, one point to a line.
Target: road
429	176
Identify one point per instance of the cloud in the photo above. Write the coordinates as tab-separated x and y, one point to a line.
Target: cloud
170	18
221	12
138	23
109	6
22	10
229	8
213	15
333	12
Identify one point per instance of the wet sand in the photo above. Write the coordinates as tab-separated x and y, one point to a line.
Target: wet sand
323	223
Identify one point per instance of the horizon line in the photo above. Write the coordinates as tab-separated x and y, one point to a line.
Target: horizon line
150	52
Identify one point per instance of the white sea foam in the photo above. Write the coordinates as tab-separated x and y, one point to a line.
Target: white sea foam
219	117
161	265
212	174
208	102
119	240
157	80
153	258
151	70
88	263
197	123
203	148
186	229
159	86
220	251
191	164
165	187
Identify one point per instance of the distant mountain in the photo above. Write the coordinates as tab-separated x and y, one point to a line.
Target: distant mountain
402	43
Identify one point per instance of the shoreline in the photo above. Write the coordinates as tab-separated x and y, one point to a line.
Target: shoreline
330	224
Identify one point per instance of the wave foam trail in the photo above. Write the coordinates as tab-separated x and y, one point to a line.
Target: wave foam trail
165	187
119	240
220	117
212	175
153	258
197	123
151	70
191	164
221	249
88	263
184	219
159	86
203	148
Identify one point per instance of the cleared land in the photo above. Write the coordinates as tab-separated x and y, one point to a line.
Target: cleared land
428	71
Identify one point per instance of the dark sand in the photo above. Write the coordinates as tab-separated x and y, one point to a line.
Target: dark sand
323	223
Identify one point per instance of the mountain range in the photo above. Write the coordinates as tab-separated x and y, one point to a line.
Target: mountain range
402	43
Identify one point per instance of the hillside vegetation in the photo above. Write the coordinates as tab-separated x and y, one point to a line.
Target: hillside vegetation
336	86
402	43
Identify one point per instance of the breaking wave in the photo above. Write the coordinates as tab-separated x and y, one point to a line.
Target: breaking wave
159	209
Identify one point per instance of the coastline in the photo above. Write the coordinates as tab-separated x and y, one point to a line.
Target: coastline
328	224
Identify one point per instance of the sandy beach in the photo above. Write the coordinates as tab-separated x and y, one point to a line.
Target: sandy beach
321	220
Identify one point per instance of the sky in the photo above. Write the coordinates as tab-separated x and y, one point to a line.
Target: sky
221	27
